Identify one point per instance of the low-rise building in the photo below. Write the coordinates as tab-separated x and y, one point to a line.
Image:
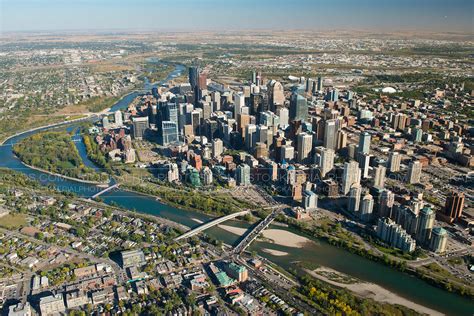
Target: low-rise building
52	305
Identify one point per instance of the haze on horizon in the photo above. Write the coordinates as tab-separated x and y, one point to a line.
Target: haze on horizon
179	15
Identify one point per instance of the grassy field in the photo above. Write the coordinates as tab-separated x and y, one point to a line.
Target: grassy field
13	221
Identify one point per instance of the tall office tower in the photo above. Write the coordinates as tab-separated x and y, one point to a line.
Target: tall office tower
298	107
453	207
271	120
353	202
250	136
153	114
139	126
350	176
364	143
193	76
364	164
427	218
284	115
276	94
169	132
414	172
216	101
305	144
394	161
211	129
183	116
239	103
202	81
319	86
287	152
206	109
262	134
330	132
258	81
332	95
217	147
171	112
341	141
309	86
254	77
439	239
366	208
386	201
196	117
379	177
326	163
118	118
242	174
207	176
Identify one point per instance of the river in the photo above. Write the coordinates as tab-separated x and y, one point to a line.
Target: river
318	252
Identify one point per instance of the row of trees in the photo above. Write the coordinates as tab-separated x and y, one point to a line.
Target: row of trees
332	301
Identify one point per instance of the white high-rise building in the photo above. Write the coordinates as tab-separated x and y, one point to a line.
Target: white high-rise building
305	145
350	176
364	164
330	129
439	240
287	152
364	143
386	201
118	118
394	161
207	176
414	172
379	177
242	174
217	147
239	103
173	172
326	163
284	115
366	208
310	200
250	136
354	198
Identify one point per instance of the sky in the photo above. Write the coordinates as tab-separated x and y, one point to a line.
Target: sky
188	15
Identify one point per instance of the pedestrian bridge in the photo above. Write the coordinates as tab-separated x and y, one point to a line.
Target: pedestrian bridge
105	190
210	224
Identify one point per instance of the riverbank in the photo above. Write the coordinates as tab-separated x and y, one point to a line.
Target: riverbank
63	176
54	125
367	290
277	236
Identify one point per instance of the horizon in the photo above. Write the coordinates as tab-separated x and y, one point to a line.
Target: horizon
214	15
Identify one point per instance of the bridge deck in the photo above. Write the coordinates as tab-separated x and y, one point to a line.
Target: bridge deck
207	225
253	234
105	190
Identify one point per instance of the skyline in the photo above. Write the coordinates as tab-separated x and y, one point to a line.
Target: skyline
183	15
